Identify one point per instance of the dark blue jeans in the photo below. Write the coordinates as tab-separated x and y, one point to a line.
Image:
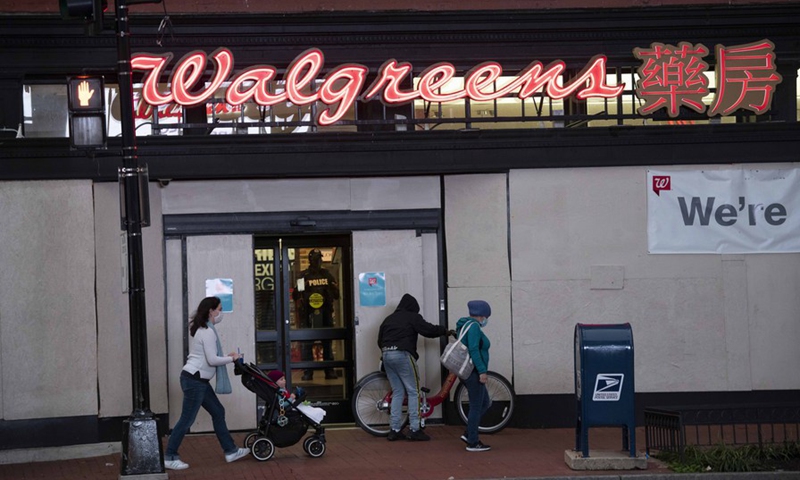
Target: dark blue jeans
198	394
479	402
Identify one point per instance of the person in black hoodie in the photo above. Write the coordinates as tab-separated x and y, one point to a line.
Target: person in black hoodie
397	340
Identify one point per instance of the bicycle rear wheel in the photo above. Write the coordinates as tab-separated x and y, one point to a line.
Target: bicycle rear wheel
502	396
370	408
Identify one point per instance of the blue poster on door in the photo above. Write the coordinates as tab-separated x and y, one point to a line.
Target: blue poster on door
222	288
372	289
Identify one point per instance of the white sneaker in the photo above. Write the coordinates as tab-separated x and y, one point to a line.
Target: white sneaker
232	457
175	464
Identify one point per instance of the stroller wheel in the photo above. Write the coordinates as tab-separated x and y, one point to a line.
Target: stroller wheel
250	440
316	448
306	442
263	449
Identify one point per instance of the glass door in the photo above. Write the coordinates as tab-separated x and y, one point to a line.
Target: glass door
304	316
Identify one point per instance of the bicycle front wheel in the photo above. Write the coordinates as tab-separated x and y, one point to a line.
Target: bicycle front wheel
502	396
371	408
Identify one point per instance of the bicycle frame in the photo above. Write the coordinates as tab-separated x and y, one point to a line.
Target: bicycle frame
426	403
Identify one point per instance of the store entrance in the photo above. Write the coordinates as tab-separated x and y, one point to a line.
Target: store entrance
304	316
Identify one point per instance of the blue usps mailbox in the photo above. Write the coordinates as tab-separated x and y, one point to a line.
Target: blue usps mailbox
604	382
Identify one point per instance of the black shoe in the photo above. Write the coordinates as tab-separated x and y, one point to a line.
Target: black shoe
464	439
418	436
478	447
308	375
394	435
331	375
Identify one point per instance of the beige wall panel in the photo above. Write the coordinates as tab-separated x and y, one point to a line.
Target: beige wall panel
700	322
678	332
429	349
737	328
220	196
225	256
564	221
176	325
113	319
153	246
297	195
48	338
773	303
399	255
476	226
113	310
395	193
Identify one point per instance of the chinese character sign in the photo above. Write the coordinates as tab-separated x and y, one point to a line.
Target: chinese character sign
674	76
746	78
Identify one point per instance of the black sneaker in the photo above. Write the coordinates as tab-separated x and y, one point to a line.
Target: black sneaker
478	447
394	435
464	439
418	436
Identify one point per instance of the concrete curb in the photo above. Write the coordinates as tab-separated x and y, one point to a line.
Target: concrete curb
49	454
678	476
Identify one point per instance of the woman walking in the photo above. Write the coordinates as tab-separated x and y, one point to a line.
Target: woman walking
478	344
204	361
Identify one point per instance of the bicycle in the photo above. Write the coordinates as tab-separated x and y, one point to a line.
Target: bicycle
372	400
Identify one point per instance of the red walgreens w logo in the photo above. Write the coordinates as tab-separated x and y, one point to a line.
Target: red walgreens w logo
661	182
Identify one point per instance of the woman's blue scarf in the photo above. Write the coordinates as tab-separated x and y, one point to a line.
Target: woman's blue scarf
223	382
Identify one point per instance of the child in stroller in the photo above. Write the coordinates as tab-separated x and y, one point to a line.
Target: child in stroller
283	423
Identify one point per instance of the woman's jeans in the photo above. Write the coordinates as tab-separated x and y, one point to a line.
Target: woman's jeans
401	368
479	403
198	394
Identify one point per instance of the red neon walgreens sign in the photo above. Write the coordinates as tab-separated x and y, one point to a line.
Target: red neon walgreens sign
343	85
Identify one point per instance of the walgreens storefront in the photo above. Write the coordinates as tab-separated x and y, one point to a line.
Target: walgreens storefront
458	155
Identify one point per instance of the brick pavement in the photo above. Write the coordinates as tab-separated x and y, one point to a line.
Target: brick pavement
354	454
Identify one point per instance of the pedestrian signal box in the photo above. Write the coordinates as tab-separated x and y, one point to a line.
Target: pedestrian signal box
86	94
87	112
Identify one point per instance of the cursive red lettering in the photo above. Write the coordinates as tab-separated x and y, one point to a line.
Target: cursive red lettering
434	78
154	66
190	69
339	91
388	84
260	76
340	88
594	73
480	78
311	62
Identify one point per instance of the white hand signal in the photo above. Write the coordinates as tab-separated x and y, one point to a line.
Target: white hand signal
84	94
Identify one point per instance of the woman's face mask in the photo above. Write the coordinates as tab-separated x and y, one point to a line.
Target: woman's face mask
218	319
484	322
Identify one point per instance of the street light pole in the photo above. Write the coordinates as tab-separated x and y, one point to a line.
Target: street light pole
142	453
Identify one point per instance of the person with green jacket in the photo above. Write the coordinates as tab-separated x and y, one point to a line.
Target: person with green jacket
478	344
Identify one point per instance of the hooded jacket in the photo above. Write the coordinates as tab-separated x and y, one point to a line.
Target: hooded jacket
400	329
477	342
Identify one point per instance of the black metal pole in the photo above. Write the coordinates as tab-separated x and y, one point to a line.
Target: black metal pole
142	452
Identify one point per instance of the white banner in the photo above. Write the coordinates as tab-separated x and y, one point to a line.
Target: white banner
723	211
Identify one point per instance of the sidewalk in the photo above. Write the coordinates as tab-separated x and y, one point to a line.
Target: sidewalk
353	454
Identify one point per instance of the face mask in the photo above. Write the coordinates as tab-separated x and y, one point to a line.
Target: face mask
218	319
484	322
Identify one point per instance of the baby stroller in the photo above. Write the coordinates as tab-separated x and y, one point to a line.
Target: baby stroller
279	427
